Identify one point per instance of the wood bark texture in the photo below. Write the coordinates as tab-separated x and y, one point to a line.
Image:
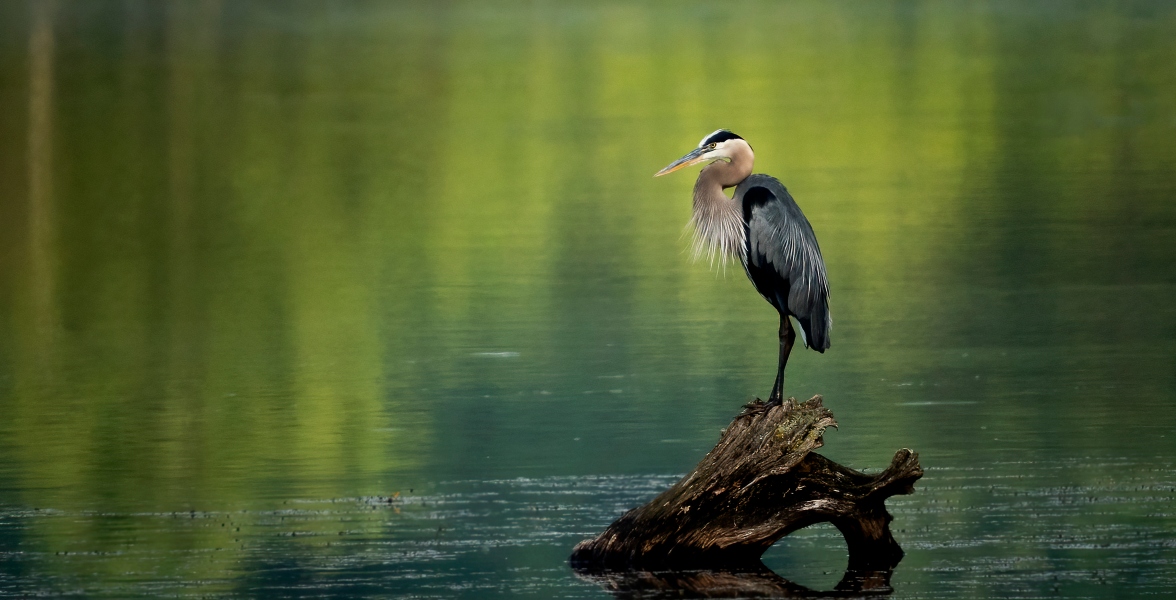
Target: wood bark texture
761	482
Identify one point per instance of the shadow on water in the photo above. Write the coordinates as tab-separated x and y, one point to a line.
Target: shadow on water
754	581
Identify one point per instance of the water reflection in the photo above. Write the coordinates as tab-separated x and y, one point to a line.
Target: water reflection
252	253
750	583
510	538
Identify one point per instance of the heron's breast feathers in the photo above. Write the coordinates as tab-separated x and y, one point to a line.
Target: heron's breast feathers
718	231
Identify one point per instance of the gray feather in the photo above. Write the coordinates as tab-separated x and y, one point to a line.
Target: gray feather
780	241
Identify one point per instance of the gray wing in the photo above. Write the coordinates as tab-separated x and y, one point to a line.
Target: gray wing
783	259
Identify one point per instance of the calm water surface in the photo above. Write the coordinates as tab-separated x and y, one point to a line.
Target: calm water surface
368	299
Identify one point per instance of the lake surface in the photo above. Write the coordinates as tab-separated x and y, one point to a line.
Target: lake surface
372	299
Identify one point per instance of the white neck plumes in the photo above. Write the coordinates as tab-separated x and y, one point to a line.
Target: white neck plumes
718	226
717	219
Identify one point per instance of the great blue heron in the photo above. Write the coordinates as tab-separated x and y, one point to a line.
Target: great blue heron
762	225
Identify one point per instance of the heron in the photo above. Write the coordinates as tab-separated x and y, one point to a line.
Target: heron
762	226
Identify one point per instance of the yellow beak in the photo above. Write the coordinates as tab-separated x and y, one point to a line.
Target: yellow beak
694	157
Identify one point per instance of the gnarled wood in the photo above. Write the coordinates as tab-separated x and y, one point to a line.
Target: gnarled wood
761	482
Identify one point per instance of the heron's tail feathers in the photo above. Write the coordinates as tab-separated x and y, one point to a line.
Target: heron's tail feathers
816	328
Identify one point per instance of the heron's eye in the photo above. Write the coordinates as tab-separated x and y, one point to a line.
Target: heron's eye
712	145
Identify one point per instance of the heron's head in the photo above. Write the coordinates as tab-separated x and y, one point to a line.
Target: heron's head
720	145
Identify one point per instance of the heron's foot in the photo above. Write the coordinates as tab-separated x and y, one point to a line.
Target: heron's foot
754	407
754	404
774	400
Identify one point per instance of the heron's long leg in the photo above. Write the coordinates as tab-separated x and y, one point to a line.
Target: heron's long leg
787	337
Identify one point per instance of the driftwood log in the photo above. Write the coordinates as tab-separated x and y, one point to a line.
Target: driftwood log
761	482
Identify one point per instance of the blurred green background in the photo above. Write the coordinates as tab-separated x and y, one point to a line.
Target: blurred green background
255	253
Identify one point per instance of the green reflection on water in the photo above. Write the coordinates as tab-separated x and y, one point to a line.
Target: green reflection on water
259	251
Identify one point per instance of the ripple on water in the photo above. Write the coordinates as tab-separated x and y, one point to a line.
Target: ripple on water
968	531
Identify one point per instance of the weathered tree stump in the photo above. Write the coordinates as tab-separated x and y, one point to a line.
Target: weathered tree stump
761	482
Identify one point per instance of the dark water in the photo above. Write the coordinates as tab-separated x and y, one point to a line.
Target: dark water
369	299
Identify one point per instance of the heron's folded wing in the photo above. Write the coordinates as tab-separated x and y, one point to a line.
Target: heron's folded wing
779	237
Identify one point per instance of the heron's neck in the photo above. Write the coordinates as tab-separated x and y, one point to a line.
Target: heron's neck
718	220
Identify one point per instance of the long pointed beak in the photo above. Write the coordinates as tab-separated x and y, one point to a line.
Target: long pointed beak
694	157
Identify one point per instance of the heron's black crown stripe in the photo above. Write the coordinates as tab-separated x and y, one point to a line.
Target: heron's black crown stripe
721	135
